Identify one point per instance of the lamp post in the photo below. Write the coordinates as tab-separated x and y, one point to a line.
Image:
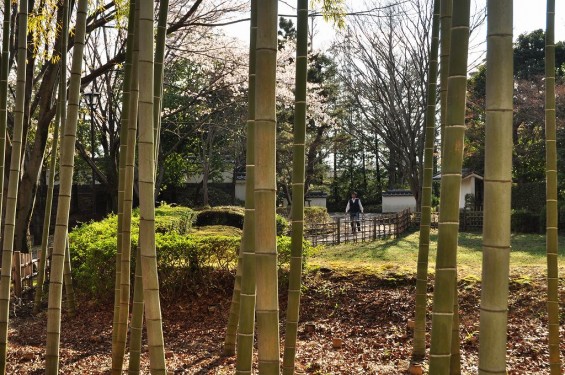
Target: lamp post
92	101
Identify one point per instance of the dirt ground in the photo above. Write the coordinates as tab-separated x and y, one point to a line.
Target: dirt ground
368	313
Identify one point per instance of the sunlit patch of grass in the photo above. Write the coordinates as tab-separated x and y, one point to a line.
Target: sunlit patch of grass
400	255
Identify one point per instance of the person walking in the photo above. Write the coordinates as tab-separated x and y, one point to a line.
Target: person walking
355	208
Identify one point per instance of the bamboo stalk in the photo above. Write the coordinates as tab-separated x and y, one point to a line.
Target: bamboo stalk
13	183
159	71
136	319
298	177
146	150
497	185
63	206
446	261
267	309
551	231
127	147
246	329
419	346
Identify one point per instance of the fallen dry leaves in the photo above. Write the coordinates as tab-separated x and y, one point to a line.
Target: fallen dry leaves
351	324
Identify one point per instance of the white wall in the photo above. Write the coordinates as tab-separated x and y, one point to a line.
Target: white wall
226	177
315	202
240	190
399	203
467	187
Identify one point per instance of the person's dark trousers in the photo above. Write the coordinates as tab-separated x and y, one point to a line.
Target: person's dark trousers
355	219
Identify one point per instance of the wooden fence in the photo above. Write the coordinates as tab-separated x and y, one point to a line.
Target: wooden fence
468	220
343	230
24	271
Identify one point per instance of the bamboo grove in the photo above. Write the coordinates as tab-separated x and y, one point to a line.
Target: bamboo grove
254	319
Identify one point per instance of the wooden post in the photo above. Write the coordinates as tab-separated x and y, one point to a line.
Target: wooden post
338	230
17	272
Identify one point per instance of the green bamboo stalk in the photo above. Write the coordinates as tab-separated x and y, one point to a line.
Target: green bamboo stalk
246	330
298	176
63	206
4	70
267	308
551	230
60	118
68	281
446	261
233	317
419	349
136	319
159	71
121	295
497	185
13	182
146	151
446	9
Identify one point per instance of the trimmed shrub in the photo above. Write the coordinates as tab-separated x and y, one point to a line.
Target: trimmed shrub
93	245
317	215
233	216
223	215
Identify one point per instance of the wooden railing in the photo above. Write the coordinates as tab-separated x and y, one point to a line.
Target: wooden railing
24	271
468	220
344	230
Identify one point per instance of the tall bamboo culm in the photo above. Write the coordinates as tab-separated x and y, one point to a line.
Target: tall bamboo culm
138	305
267	307
159	72
146	151
446	261
497	185
246	327
13	183
121	310
68	281
551	230
446	9
63	206
298	176
419	346
59	119
4	69
136	319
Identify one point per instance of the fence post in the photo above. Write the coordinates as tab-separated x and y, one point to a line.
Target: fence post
338	230
464	219
396	226
17	273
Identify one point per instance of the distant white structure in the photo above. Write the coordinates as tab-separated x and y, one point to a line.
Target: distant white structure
398	200
240	187
312	199
316	199
471	183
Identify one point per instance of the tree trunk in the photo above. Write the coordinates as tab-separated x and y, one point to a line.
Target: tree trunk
60	119
446	265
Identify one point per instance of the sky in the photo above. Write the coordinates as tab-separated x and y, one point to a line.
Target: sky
529	15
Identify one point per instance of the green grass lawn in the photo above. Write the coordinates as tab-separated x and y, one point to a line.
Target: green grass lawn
400	255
